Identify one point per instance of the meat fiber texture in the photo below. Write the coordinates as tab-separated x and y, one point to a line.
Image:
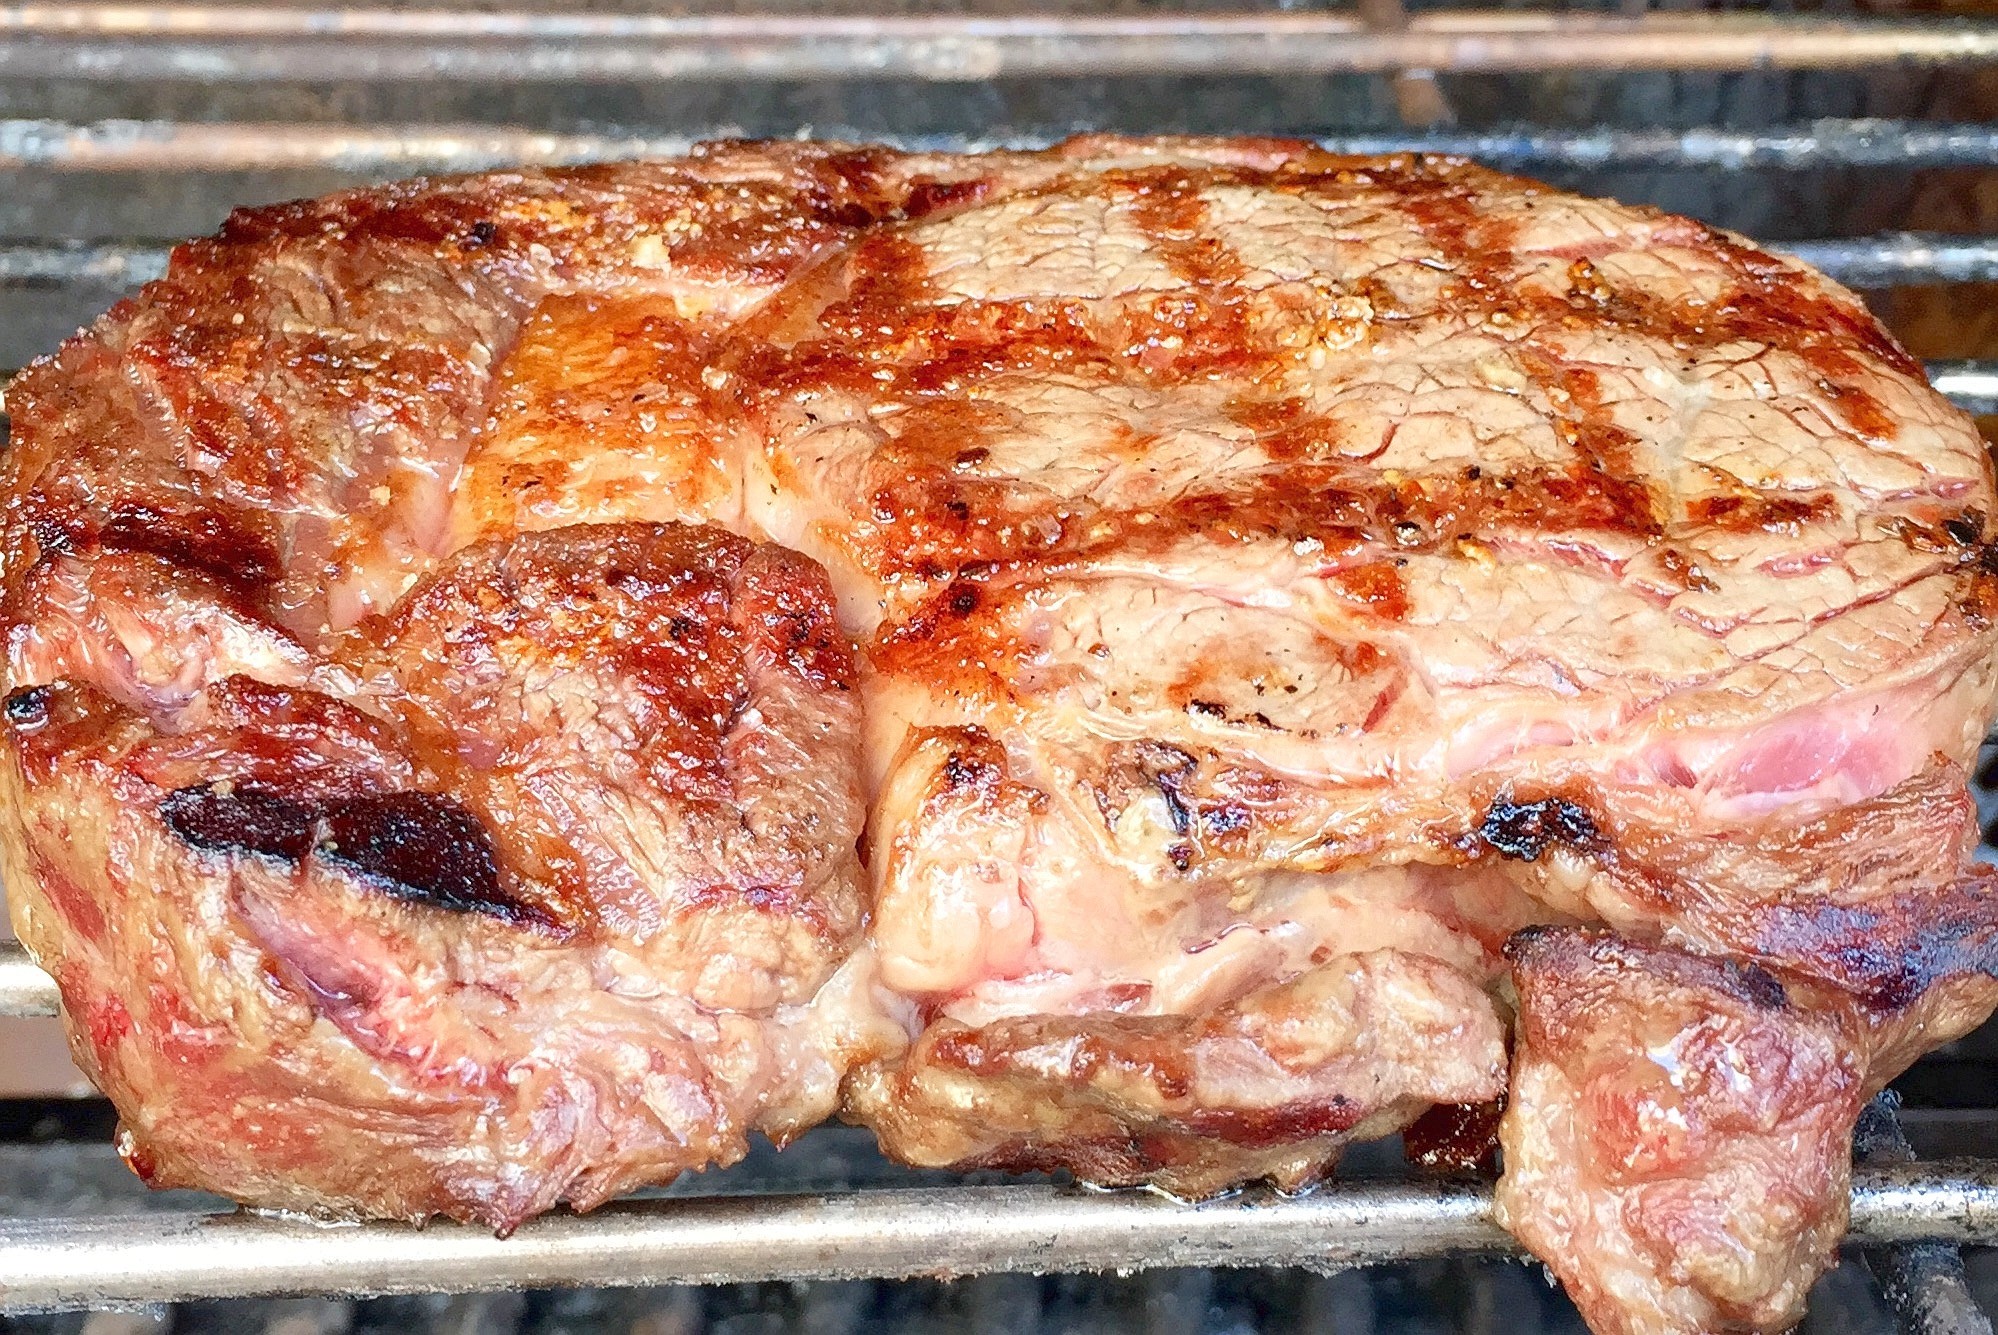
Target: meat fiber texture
1076	660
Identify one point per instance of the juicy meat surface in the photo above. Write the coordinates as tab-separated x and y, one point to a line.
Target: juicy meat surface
1277	579
1678	1143
538	893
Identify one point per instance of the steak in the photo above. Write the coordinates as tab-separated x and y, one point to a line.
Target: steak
1195	603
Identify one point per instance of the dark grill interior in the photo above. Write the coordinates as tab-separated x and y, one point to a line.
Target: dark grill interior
118	137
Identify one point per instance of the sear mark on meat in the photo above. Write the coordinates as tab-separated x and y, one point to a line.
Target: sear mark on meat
225	818
420	846
1524	830
425	847
28	707
1457	1139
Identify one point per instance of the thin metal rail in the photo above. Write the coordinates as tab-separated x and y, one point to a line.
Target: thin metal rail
382	149
1924	1282
1971	386
1896	259
208	43
24	989
892	1234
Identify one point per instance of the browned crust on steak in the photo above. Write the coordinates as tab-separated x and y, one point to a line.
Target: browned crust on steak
1677	1139
1277	577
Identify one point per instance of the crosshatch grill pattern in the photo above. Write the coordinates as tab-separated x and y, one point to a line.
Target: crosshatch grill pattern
1857	143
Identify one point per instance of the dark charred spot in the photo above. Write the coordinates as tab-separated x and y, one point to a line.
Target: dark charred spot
1966	529
1226	818
961	771
1758	986
1180	855
963	600
29	706
1455	1139
927	197
481	234
423	847
231	818
207	541
1167	769
1207	707
1524	939
1524	830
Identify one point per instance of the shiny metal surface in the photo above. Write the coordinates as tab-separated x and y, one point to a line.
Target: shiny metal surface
24	989
1972	386
1897	258
211	42
868	1234
384	149
1924	1282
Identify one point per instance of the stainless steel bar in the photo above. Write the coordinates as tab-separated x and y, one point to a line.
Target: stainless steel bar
47	1264
24	989
1972	386
1900	258
871	1234
140	145
94	265
1923	1282
212	42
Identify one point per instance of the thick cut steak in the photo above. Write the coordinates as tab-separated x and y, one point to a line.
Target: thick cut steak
1240	588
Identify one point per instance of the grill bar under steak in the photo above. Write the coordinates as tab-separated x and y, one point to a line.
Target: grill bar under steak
210	42
870	1234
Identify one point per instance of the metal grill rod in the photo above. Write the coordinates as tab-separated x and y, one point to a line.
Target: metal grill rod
208	43
24	989
1971	386
893	1234
141	145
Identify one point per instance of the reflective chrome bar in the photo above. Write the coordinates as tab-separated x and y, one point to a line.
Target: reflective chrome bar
93	265
140	145
63	1263
1900	258
210	42
1972	386
24	989
1924	1282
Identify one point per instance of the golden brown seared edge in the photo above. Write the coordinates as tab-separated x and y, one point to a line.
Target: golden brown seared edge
1278	579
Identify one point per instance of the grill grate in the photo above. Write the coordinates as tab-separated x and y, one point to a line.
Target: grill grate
203	43
131	124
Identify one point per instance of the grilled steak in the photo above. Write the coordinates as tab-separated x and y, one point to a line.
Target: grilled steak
1278	580
1702	1185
